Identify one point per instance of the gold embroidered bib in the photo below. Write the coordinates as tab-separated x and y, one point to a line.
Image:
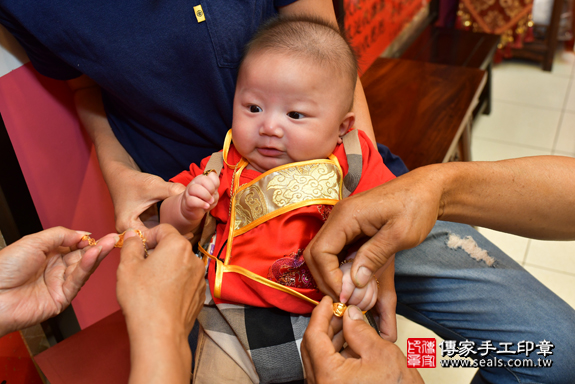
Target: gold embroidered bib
283	189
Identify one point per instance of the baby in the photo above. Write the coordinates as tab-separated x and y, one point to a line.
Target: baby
284	166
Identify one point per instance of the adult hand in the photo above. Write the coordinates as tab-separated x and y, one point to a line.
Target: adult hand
40	274
385	306
161	297
366	359
169	284
396	215
135	195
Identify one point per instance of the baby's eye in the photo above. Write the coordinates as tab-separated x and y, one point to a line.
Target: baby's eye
255	109
296	115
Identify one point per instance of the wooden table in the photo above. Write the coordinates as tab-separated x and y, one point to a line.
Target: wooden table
451	46
421	110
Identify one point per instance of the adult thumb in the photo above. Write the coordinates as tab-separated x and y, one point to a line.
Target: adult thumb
360	336
132	250
174	189
370	257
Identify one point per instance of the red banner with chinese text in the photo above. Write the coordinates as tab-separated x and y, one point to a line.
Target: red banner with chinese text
371	25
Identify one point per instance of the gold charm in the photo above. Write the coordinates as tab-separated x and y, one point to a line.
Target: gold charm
339	309
208	171
91	241
120	242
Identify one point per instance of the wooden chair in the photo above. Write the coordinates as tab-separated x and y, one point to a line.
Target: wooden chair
543	49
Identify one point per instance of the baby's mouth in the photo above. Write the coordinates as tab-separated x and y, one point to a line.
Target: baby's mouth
269	152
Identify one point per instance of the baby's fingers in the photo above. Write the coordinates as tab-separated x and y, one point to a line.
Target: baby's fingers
198	197
210	182
216	197
364	298
347	285
214	179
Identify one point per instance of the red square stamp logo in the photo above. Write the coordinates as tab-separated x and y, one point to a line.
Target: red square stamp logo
421	353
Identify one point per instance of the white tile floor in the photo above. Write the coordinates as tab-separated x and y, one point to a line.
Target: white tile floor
533	113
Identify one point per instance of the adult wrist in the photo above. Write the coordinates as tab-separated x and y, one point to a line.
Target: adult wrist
435	184
115	166
114	175
451	178
156	321
159	355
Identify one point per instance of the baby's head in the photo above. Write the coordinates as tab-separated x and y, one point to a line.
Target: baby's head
294	93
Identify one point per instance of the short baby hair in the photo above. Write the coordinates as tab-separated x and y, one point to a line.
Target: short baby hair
310	38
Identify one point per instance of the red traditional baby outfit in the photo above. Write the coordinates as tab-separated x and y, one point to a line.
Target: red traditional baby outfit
276	214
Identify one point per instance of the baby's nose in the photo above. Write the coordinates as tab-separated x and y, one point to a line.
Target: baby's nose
271	127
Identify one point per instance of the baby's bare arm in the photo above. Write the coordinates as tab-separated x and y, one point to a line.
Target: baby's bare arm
186	210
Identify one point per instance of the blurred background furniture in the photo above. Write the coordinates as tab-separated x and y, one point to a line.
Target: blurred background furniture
415	107
459	48
521	37
422	111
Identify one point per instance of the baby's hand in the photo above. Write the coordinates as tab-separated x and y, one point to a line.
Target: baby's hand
363	298
200	196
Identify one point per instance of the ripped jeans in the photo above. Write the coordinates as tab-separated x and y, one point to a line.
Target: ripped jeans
462	293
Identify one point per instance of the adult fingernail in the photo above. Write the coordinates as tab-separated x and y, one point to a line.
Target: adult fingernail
130	232
116	239
362	277
354	313
83	233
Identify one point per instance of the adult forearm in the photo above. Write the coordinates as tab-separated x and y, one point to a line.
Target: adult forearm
159	355
532	197
361	110
160	296
133	192
111	154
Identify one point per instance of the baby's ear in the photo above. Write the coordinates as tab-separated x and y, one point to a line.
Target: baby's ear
347	123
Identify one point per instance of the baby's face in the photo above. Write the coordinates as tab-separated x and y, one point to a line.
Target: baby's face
287	109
